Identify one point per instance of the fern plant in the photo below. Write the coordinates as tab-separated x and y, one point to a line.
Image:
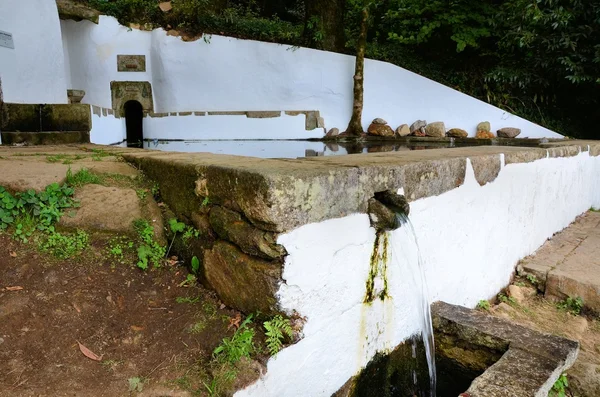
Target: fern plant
276	331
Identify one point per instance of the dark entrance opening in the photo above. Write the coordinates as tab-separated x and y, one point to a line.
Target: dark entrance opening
133	122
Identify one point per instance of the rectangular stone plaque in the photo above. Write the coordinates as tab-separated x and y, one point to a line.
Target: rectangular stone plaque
6	40
131	63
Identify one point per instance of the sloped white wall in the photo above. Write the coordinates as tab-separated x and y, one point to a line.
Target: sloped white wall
34	71
227	74
470	238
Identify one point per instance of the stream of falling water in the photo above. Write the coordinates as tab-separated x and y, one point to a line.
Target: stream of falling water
418	275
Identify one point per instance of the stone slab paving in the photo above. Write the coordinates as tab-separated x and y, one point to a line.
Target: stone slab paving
569	263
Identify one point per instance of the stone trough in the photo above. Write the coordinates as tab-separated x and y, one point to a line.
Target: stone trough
295	237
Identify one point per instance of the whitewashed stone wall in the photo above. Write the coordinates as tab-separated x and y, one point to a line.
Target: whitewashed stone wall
471	239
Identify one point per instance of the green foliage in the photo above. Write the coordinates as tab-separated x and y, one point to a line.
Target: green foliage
142	194
65	246
572	304
187	299
136	384
195	265
42	209
118	246
559	389
190	233
276	331
483	305
532	279
149	251
176	227
416	21
506	299
81	177
241	344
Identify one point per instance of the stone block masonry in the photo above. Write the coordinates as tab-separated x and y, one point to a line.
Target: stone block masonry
40	124
294	236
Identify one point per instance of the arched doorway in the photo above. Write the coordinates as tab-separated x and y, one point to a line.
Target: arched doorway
134	115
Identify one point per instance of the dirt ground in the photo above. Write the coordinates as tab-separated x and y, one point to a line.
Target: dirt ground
148	332
536	312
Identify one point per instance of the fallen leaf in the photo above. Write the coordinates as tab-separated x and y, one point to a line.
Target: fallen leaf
13	254
136	328
235	321
88	353
16	288
222	306
121	302
77	308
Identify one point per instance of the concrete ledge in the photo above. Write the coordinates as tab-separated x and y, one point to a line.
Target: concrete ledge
281	194
530	363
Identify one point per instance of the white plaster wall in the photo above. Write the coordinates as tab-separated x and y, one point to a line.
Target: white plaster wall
93	51
228	74
471	239
33	72
107	130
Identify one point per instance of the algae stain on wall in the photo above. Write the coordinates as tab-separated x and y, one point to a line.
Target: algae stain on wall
376	294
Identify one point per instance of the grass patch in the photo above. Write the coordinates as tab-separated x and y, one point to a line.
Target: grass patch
82	177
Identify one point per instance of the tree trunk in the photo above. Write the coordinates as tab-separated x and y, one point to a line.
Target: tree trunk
328	16
355	126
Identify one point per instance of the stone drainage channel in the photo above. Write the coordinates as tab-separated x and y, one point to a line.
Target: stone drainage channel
320	240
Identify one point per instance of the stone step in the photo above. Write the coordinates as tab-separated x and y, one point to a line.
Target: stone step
569	263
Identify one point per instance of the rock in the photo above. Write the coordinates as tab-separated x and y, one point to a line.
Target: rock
484	126
457	133
241	281
333	132
436	129
172	32
104	208
504	310
420	132
229	225
68	9
403	130
379	121
417	125
578	325
508	132
380	130
516	293
484	135
527	362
